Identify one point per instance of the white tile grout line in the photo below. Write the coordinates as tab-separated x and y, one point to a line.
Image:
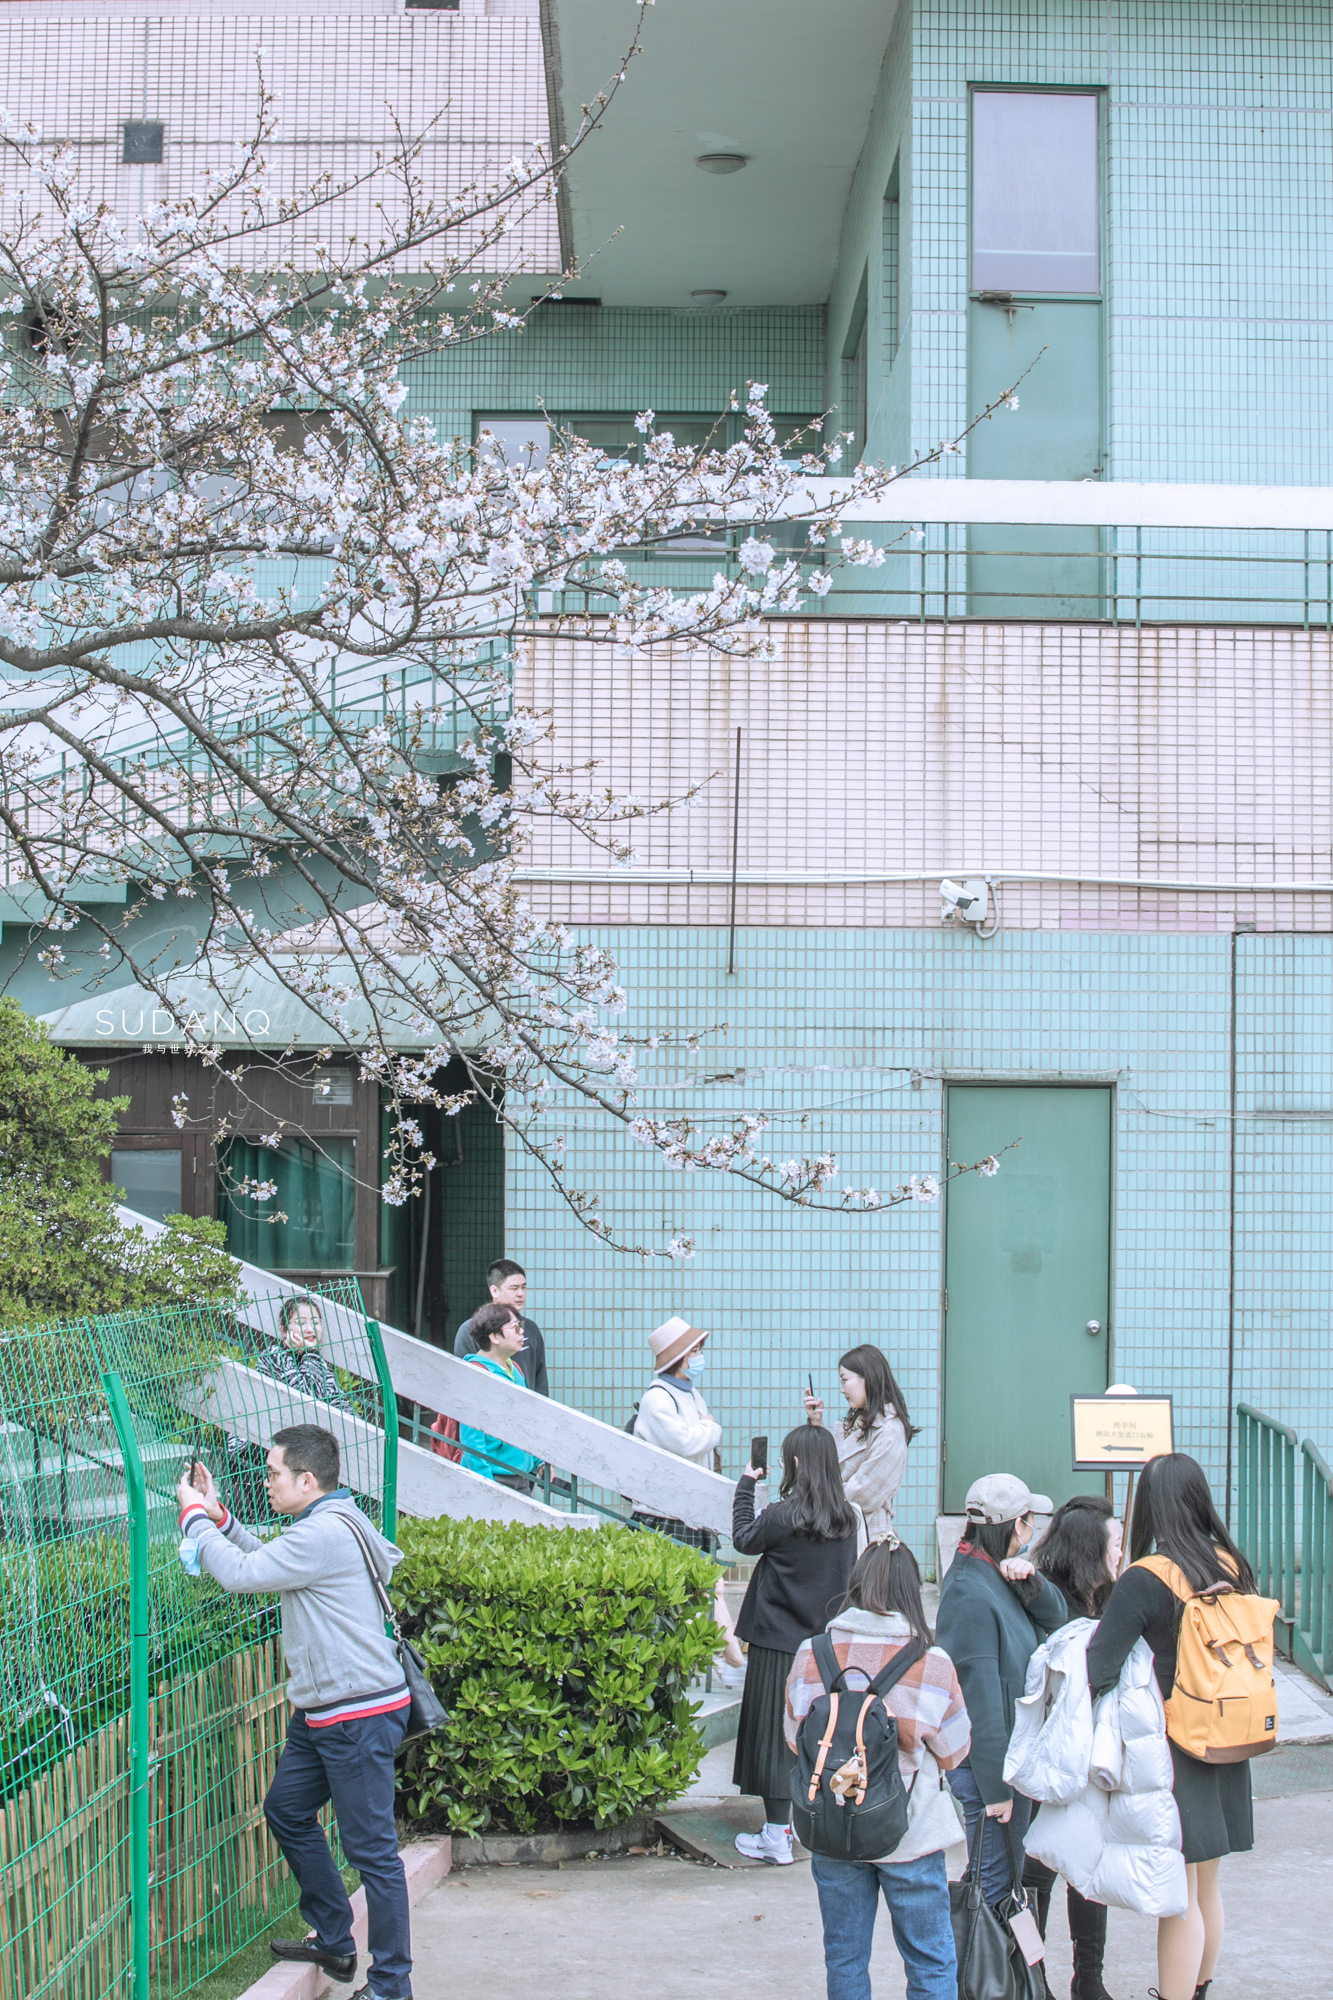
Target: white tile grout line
426	1863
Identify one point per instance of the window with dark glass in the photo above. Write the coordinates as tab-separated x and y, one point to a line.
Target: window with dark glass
1034	191
313	1207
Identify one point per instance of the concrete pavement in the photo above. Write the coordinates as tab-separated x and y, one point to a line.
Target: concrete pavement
661	1927
666	1929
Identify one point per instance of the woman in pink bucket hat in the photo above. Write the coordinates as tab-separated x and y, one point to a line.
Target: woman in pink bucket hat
673	1415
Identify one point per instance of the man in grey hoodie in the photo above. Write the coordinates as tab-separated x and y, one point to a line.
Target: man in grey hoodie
345	1684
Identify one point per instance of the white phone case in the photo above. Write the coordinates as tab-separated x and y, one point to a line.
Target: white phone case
1027	1937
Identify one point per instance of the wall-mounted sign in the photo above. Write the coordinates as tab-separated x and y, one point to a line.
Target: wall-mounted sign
1110	1431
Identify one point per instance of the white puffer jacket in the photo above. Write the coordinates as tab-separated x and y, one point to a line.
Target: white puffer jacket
1102	1771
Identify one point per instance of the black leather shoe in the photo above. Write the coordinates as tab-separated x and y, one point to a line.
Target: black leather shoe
309	1951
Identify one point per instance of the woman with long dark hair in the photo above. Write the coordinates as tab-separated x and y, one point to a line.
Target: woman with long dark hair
875	1434
1080	1553
1174	1516
883	1614
806	1544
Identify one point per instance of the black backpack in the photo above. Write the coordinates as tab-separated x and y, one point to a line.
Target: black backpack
847	1791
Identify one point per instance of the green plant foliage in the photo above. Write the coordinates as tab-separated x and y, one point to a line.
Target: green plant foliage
66	1641
565	1657
62	1251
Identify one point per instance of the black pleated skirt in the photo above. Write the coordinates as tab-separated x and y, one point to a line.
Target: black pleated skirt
763	1762
1216	1807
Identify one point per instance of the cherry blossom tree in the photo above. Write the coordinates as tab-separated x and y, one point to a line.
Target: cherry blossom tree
248	590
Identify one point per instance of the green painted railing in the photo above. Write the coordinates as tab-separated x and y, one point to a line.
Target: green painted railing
1267	1511
1269	1529
1314	1630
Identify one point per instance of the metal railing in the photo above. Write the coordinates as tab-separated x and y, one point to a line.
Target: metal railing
1269	1531
950	570
1313	1648
556	1487
428	716
1266	1520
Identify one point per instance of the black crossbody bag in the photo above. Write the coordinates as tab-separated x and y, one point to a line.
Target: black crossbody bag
427	1712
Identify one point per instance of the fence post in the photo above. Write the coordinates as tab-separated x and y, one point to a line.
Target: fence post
1289	1533
389	1502
137	1498
1243	1523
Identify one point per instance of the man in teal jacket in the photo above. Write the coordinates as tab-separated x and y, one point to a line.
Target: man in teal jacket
498	1332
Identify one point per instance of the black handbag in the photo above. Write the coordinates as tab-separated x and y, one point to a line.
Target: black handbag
427	1712
991	1965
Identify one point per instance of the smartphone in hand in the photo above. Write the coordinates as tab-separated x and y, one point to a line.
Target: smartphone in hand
759	1454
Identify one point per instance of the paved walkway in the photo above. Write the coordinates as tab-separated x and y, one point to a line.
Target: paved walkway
665	1929
660	1927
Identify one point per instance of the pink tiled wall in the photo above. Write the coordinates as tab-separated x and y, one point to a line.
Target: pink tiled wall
1190	753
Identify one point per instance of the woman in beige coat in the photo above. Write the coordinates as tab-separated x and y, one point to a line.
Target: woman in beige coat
874	1436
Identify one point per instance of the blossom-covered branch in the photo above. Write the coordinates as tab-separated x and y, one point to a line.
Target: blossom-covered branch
257	625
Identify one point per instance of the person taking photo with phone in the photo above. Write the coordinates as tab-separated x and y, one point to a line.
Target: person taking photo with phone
348	1698
806	1545
873	1437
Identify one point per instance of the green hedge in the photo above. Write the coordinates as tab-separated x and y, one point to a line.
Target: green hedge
565	1657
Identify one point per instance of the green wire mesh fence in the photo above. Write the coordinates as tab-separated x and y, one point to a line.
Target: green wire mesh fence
142	1709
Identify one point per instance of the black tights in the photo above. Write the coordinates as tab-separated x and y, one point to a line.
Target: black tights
1087	1921
777	1811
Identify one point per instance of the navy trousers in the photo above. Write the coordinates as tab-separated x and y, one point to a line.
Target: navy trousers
352	1764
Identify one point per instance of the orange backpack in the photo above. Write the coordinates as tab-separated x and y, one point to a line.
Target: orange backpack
1223	1707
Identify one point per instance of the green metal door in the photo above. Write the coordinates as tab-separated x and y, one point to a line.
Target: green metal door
1027	1269
1055	433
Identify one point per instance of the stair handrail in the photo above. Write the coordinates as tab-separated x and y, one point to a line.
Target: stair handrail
596	1453
1266	1512
1314	1632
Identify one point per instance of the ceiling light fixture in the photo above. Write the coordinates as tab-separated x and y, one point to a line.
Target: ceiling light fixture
708	298
722	163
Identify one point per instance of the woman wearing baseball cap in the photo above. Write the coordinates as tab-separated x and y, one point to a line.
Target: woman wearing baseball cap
995	1610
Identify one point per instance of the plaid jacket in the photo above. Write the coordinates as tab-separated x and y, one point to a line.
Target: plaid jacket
873	1468
927	1701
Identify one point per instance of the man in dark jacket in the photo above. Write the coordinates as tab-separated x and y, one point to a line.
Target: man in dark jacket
507	1283
995	1610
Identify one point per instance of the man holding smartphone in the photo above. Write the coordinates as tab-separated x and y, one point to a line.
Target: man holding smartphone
349	1699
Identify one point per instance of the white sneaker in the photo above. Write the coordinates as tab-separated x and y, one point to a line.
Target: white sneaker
730	1677
773	1844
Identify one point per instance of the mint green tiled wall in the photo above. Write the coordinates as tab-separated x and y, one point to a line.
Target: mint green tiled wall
622	361
1218	203
888	141
857	1031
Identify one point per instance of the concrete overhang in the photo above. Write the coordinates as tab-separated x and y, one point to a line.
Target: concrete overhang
787	85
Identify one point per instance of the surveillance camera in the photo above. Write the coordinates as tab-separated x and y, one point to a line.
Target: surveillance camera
965	902
957	896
